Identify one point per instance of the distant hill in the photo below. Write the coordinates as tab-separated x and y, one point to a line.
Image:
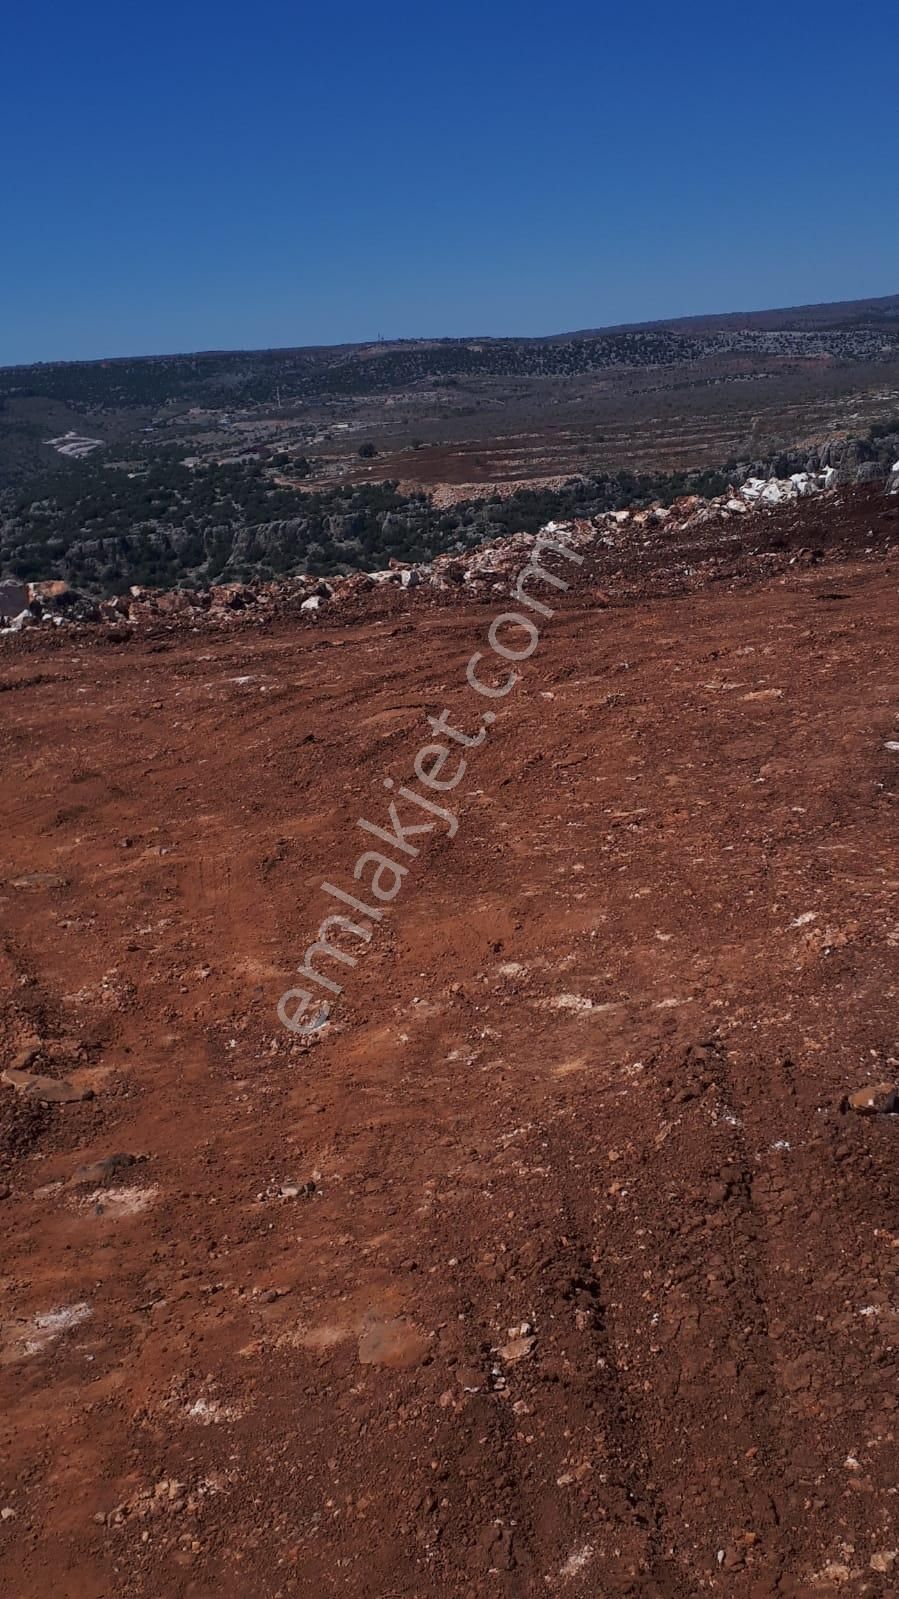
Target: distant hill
184	468
830	314
848	329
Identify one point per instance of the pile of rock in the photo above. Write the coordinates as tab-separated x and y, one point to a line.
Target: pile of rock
776	490
478	573
30	604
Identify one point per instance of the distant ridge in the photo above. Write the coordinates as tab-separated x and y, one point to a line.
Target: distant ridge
826	314
847	315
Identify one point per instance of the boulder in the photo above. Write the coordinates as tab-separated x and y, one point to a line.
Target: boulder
878	1099
13	599
53	594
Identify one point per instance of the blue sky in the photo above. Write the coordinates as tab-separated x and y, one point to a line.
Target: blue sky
206	176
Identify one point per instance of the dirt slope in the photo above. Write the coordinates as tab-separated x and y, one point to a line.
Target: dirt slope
584	1282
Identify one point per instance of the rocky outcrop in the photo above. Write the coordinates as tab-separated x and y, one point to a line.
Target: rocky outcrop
860	460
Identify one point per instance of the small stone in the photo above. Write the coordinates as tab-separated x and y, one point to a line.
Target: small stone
517	1349
297	1190
7	1513
48	1090
394	1342
40	880
99	1170
884	1560
879	1099
27	1057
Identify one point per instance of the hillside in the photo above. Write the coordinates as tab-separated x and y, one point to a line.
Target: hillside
831	315
249	466
624	1320
856	328
171	523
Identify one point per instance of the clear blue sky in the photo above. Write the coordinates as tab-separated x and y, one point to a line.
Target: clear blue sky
213	175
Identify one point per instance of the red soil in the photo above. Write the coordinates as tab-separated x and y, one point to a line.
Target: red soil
592	1289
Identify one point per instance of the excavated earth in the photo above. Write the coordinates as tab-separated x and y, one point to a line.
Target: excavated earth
555	1263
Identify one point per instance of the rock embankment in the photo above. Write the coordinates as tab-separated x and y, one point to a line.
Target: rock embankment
473	573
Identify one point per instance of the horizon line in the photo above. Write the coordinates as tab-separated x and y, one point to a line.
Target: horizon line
868	301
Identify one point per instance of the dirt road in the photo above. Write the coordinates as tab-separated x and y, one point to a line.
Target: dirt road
554	1266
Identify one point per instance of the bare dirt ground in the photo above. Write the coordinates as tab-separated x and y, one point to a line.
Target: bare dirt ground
583	1282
